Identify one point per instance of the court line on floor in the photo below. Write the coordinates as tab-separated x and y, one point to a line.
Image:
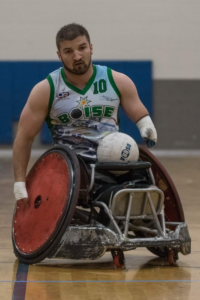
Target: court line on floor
93	281
19	290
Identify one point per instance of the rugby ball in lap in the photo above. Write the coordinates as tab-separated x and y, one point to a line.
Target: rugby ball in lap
117	147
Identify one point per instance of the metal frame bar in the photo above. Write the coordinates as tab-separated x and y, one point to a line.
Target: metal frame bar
151	189
141	217
145	205
173	223
152	176
98	203
163	221
145	229
127	218
161	231
155	215
92	177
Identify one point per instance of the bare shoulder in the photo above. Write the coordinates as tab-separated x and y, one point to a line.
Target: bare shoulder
40	94
123	82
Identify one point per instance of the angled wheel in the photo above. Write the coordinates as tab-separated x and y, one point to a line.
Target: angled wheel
158	251
53	188
173	207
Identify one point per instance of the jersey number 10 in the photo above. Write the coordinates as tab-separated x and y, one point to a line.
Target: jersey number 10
100	86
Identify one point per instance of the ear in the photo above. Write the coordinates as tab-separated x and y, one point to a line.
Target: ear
59	55
91	48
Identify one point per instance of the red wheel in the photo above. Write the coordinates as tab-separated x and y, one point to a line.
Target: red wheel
53	190
173	206
171	258
118	262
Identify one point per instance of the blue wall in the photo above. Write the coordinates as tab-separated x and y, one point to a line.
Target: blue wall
18	78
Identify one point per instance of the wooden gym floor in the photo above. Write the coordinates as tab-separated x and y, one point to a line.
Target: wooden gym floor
145	276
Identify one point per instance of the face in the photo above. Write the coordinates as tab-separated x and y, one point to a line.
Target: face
76	55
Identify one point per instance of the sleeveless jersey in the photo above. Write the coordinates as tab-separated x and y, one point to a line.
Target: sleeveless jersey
87	114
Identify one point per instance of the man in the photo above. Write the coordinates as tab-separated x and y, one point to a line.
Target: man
79	103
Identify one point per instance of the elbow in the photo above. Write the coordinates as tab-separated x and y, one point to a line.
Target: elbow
22	138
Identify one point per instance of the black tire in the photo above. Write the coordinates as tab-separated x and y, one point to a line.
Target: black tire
161	252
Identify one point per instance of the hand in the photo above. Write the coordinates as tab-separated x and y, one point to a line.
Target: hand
20	191
23	203
150	143
148	138
147	131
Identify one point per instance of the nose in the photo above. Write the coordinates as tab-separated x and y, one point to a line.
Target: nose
77	55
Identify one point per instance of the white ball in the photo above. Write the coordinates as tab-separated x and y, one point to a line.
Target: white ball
117	147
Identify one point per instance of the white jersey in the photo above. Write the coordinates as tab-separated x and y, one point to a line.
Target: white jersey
90	113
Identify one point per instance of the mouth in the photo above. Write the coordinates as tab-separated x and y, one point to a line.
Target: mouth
78	63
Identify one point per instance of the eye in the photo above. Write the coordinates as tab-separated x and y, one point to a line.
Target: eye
67	51
83	47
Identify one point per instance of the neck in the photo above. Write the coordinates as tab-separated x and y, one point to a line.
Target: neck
79	80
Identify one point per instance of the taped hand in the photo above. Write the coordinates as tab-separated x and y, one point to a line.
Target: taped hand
147	131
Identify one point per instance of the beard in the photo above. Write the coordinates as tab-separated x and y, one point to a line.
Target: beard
78	70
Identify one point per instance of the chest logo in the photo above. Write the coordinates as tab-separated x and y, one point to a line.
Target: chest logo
84	111
83	101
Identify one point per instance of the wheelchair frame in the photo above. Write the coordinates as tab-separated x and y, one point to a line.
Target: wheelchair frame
94	239
91	239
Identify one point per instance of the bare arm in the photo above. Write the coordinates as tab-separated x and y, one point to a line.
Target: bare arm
134	108
130	100
31	120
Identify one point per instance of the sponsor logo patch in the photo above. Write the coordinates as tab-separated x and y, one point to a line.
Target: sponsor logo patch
62	95
125	152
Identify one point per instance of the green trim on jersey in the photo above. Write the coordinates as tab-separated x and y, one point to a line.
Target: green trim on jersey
48	121
112	82
74	88
52	92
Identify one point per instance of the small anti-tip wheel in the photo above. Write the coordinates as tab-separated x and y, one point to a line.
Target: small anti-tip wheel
118	258
172	258
118	262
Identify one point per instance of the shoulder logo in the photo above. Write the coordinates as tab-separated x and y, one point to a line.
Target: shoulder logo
62	95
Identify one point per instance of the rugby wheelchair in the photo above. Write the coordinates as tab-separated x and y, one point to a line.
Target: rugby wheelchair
79	209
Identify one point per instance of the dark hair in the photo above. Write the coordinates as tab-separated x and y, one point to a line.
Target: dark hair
70	32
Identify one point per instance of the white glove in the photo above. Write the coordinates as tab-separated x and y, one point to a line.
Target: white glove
20	191
147	131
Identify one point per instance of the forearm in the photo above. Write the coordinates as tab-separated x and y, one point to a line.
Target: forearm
21	156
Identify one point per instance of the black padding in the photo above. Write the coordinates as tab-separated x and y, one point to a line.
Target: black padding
115	166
